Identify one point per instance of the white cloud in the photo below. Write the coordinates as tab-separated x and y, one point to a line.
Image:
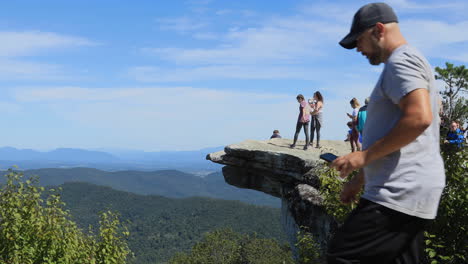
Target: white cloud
30	43
434	33
294	41
13	44
249	72
407	6
199	2
462	56
435	37
335	12
279	40
180	24
205	35
223	12
22	70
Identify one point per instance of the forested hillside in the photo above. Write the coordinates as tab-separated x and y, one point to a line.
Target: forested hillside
168	183
159	226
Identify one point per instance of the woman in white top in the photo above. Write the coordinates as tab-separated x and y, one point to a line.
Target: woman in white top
317	119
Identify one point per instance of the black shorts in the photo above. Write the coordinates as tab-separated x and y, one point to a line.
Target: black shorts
375	234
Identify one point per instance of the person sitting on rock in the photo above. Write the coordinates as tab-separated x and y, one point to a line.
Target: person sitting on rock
276	134
302	120
455	135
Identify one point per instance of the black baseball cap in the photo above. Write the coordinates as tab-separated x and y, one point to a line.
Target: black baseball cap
366	17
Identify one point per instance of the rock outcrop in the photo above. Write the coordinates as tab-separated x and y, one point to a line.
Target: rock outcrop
272	167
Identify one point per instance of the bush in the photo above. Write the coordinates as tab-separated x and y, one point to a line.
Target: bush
308	249
447	236
37	230
228	247
330	189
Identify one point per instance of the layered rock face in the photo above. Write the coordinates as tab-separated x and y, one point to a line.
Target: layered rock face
272	167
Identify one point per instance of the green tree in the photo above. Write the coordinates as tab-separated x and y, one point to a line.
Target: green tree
447	236
228	247
36	230
455	105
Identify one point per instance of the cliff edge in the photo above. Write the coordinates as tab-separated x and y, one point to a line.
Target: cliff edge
270	166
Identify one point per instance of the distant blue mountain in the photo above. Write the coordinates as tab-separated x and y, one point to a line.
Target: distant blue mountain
112	160
136	155
61	154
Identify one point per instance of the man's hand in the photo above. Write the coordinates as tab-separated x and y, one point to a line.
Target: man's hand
353	161
352	188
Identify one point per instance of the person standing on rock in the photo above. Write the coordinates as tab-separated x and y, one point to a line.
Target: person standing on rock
400	165
361	116
355	144
316	117
302	120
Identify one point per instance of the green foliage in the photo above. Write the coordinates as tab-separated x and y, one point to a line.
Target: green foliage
159	226
447	236
111	246
456	83
228	247
309	250
330	188
34	230
331	184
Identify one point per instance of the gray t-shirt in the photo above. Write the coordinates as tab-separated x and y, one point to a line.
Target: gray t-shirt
411	179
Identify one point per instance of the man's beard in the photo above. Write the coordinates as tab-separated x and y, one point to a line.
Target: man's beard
377	55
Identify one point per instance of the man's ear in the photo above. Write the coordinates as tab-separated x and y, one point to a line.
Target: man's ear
379	30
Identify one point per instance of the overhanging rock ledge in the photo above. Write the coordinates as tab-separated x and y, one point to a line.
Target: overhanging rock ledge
270	166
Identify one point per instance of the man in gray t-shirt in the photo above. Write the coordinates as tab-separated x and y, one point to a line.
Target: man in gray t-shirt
400	165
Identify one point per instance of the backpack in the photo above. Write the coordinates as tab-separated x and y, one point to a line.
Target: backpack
361	118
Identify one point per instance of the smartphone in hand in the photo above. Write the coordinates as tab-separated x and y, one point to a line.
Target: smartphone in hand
329	157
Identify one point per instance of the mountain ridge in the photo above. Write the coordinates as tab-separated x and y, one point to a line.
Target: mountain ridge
168	183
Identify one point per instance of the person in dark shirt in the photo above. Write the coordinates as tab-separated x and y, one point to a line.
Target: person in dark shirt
276	134
316	121
303	120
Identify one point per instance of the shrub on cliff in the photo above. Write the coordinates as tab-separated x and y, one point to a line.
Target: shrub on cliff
447	236
34	230
228	247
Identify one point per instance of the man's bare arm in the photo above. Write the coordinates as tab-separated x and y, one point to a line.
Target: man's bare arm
416	117
352	188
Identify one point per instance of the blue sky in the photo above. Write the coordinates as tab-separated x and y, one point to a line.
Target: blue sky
184	75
